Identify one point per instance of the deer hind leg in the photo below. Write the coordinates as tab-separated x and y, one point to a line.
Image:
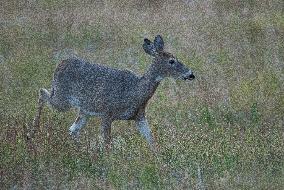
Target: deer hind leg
44	96
79	123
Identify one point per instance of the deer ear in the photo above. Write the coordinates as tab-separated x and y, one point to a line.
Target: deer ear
159	43
149	47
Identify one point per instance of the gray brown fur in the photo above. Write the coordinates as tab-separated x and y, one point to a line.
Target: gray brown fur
108	93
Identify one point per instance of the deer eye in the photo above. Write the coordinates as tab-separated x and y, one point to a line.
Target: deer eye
171	61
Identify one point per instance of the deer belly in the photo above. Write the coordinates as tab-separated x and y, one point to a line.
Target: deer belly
74	101
128	114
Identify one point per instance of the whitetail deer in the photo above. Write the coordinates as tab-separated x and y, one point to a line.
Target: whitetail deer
108	93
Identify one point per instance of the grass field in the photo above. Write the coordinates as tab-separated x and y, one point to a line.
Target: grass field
222	131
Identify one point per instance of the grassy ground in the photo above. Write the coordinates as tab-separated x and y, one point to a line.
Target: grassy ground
222	131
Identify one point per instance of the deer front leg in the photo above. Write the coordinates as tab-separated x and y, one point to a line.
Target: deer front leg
144	129
106	132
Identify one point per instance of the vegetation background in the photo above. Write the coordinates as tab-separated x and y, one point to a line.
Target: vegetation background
222	131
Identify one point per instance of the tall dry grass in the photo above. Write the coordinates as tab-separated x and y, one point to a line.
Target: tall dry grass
224	130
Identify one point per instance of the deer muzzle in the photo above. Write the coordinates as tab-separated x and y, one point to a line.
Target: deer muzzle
188	76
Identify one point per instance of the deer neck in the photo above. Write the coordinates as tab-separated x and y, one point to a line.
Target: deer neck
149	83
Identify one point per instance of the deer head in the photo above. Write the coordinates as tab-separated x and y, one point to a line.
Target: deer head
165	63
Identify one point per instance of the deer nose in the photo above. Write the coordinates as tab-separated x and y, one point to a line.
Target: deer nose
191	77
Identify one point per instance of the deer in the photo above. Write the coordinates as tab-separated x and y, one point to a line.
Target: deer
108	93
